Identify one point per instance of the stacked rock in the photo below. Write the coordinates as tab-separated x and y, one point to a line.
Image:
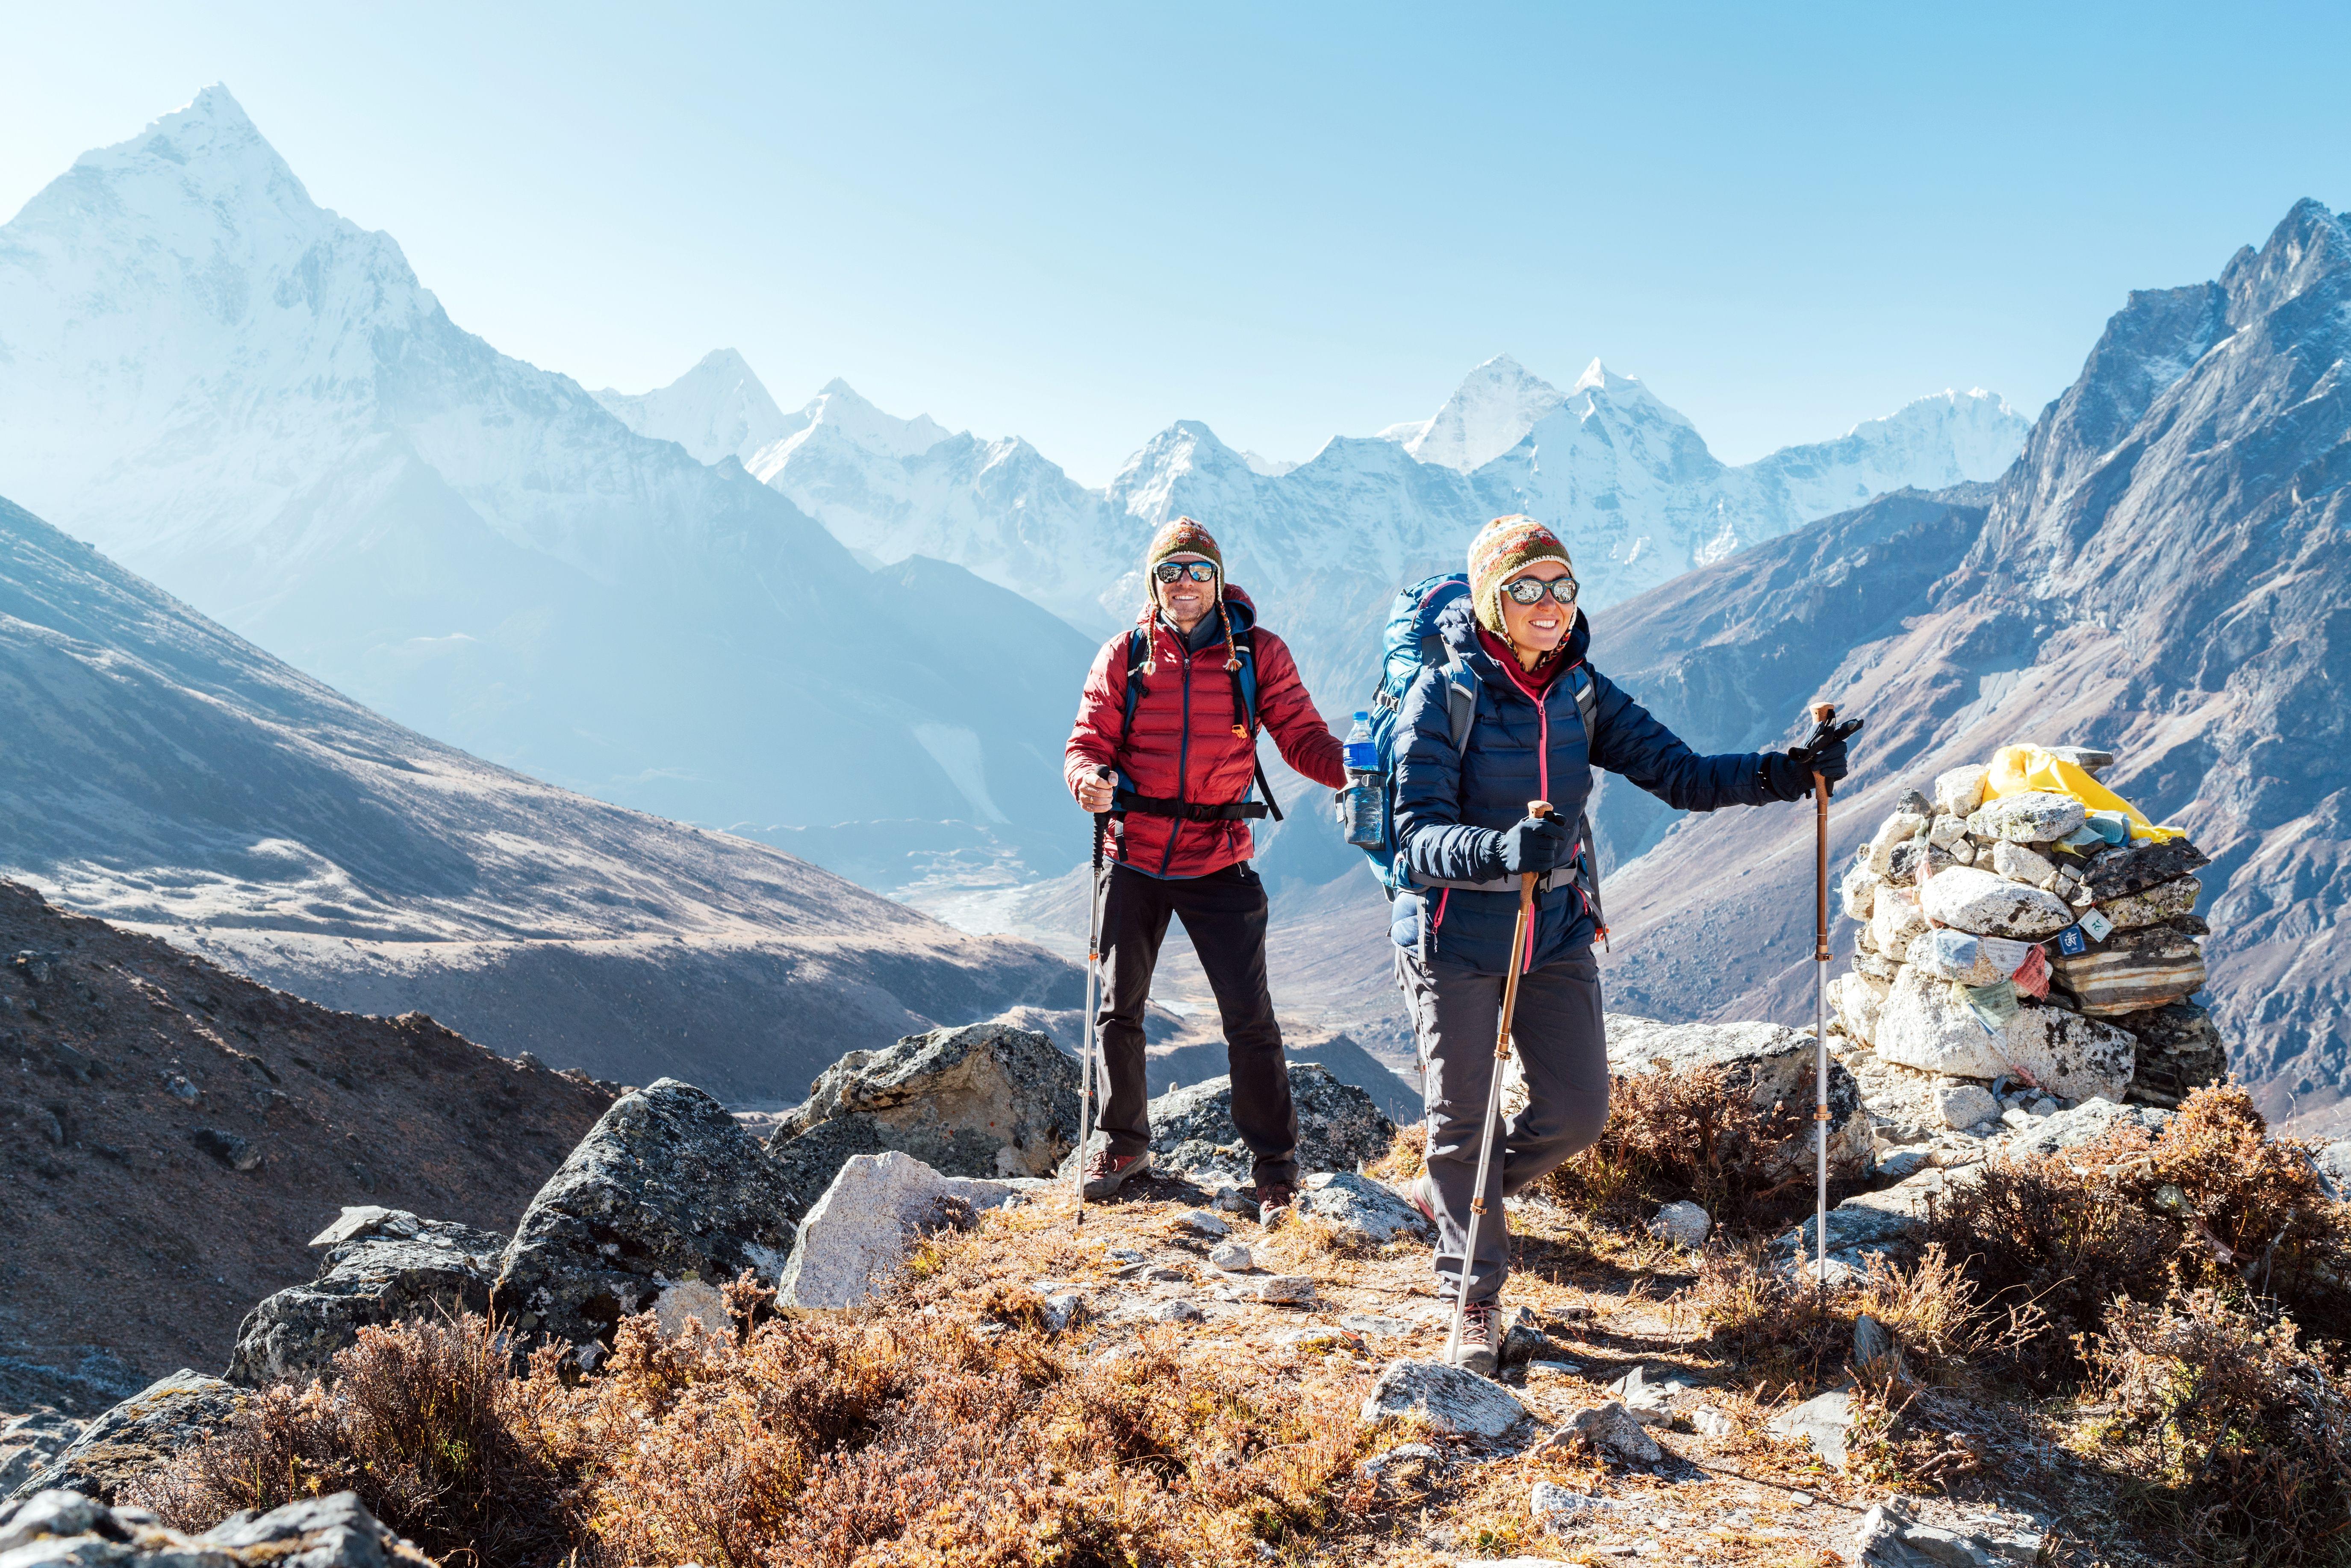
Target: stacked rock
2027	938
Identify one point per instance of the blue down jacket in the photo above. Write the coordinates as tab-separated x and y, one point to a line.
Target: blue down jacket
1450	808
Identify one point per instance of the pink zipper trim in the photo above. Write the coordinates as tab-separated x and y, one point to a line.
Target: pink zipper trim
1543	772
1443	899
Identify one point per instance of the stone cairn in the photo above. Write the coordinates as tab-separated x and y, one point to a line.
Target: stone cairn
2027	938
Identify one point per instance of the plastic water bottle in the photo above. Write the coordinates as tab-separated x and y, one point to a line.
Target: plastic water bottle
1361	806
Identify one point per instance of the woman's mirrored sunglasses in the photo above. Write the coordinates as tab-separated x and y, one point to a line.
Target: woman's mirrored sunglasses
1200	570
1531	590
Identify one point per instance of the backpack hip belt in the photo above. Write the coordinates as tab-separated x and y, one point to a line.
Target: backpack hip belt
1186	810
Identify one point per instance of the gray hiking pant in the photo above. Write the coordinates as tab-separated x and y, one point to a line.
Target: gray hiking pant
1562	1049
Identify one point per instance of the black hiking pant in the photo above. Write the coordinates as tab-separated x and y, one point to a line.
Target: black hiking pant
1224	913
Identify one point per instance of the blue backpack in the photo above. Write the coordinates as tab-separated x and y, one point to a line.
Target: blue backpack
1411	644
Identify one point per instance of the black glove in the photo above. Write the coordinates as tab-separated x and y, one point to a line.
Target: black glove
1537	845
1788	776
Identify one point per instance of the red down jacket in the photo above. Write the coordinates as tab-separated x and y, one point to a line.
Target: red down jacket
1182	748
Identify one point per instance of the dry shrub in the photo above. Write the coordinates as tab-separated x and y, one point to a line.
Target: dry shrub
2241	1437
1682	1134
907	1440
429	1422
1406	1157
817	1440
1934	1311
1767	1320
2213	1200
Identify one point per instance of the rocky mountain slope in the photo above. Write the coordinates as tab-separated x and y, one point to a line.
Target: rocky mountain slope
154	1097
163	773
2162	574
254	403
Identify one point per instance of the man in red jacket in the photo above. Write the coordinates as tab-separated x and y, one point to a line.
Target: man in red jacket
1184	750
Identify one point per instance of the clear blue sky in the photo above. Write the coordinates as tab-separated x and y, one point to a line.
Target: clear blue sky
1078	222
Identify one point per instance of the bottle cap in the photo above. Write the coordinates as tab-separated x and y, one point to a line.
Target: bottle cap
1364	712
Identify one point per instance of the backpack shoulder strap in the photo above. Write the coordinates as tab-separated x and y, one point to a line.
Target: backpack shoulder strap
1587	702
1460	704
1138	654
1245	683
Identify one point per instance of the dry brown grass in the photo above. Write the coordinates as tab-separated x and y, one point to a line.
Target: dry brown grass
815	1440
2240	1437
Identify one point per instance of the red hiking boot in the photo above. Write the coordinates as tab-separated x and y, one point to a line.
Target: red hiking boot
1106	1172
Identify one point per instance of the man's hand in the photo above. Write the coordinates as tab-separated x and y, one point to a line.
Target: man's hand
1094	793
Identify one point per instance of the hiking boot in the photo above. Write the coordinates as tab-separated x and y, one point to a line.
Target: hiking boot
1106	1172
1481	1331
1273	1194
1422	1196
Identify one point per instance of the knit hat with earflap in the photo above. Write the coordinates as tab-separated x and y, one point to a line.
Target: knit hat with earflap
1503	547
1184	537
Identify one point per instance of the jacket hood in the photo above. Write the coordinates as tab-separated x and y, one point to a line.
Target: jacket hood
1458	625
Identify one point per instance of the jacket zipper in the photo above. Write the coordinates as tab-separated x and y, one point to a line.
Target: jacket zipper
1183	763
1542	781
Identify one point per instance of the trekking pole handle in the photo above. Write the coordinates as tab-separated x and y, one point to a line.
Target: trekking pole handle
1538	808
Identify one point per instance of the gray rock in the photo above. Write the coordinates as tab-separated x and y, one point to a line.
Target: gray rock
1857	889
2137	866
1771	1065
1650	1404
1610	1433
1364	1212
665	1187
2133	971
2091	1119
1555	1507
1200	1222
859	1233
1374	1327
1917	857
2180	1049
387	1265
1947	831
1959	791
1870	1222
29	1442
2018	863
1973	899
987	1100
1233	1258
2035	816
1176	1311
1708	1421
1450	1399
1281	1289
1825	1421
1402	1454
1685	1224
138	1437
1891	1535
1874	1348
1922	1024
1064	1310
1898	829
334	1531
2163	902
1896	920
1338	1125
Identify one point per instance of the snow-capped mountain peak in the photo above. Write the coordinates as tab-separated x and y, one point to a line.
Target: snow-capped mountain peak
718	409
838	415
1489	414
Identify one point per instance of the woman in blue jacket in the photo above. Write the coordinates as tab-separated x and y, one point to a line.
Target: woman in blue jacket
1463	830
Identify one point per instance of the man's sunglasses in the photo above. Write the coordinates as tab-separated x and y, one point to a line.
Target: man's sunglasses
1531	590
1198	571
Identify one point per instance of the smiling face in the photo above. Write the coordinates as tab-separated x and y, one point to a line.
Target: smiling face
1540	627
1184	600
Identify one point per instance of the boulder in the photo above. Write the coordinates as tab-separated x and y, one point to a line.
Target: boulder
1771	1065
1923	1025
1609	1432
2034	817
2180	1049
383	1265
1894	920
2132	972
2018	863
67	1530
987	1100
138	1437
1339	1127
2066	1129
1856	1003
1856	888
1966	1105
1947	831
1365	1213
1898	828
29	1442
2163	902
1451	1400
1892	1535
1972	960
860	1231
1684	1224
1917	858
665	1187
1975	900
2135	867
1825	1421
1959	791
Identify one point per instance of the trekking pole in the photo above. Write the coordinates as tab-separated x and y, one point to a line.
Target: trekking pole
1824	716
1522	940
1093	969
